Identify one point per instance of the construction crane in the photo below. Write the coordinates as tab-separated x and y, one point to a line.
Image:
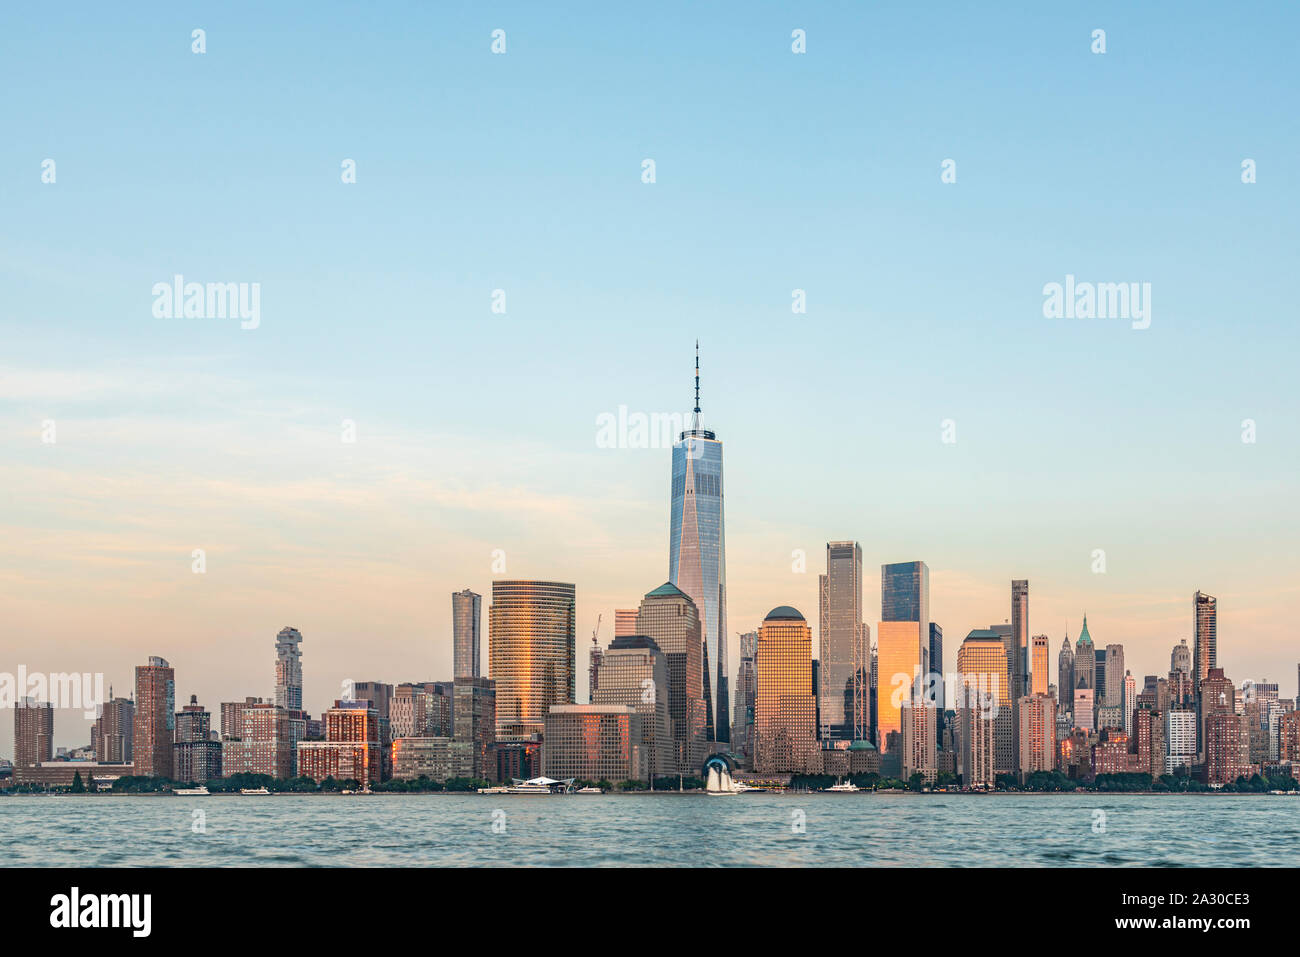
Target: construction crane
595	660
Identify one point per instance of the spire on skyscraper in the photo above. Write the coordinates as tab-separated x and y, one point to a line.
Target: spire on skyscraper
695	422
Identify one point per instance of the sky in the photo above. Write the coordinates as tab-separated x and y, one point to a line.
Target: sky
523	171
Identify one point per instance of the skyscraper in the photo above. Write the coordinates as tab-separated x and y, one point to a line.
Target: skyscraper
531	652
288	669
155	717
742	724
982	668
785	731
634	672
1205	643
113	735
1115	672
842	650
1180	659
465	629
1038	673
196	754
1065	675
669	617
697	561
33	732
902	642
1019	640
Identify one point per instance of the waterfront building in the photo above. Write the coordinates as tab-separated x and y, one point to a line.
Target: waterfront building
785	719
634	672
594	742
429	757
1037	737
531	651
1180	740
33	733
155	718
982	666
265	742
196	752
353	749
474	727
669	618
697	551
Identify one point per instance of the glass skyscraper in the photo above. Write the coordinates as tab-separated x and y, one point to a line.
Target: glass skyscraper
697	562
842	653
465	630
531	648
902	643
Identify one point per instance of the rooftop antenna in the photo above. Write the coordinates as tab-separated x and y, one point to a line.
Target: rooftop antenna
695	423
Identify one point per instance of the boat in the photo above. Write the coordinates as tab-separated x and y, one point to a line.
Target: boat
496	789
847	787
198	790
720	784
589	790
540	786
254	791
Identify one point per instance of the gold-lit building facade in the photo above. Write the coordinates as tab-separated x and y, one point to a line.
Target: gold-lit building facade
531	652
669	617
785	710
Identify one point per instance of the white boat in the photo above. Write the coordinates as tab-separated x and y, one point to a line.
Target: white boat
197	790
720	784
540	786
497	789
847	787
589	790
254	791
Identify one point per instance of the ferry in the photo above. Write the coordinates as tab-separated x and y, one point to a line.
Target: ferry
540	786
254	791
198	790
497	789
847	787
589	790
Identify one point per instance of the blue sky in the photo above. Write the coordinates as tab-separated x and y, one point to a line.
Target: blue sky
521	172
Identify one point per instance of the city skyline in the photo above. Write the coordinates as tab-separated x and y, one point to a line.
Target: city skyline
476	432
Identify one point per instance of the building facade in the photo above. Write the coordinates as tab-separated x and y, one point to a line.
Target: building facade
531	651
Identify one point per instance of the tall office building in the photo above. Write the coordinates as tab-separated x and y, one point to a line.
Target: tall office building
1130	700
1115	671
1019	640
475	728
33	732
155	718
531	652
466	610
982	668
1180	659
785	718
1037	736
936	669
902	642
593	742
1065	675
1038	668
114	731
742	723
842	649
1085	675
669	617
288	669
1205	642
697	559
634	672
